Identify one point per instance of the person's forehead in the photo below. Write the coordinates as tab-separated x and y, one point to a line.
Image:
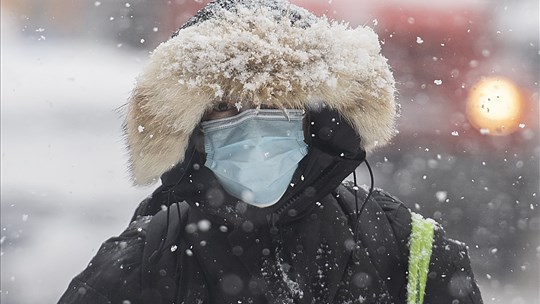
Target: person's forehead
229	107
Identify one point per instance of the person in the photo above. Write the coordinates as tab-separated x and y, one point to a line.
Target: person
253	114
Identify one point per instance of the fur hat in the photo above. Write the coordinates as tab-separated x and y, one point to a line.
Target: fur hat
259	52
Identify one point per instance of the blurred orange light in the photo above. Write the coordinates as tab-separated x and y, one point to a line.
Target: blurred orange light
495	106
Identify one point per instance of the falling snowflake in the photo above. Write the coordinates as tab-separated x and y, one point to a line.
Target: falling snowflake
441	195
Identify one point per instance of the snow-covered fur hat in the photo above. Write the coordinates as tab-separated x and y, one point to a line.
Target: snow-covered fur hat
266	52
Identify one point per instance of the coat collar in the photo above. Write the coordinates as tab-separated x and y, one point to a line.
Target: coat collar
317	175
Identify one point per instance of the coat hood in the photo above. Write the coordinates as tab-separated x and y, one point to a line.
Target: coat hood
261	52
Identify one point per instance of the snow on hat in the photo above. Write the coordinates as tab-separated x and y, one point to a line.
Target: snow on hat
266	52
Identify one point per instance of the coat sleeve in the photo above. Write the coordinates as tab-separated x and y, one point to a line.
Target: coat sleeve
114	274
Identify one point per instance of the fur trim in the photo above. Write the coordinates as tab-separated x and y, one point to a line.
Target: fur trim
255	54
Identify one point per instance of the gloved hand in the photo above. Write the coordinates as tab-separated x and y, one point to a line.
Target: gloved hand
328	131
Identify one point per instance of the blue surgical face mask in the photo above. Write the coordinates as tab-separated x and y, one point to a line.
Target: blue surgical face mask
254	154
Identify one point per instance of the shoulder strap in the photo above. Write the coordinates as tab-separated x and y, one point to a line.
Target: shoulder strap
420	246
162	245
377	234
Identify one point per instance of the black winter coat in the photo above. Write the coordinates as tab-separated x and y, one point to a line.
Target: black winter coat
210	248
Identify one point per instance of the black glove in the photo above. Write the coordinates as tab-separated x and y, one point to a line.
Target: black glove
328	131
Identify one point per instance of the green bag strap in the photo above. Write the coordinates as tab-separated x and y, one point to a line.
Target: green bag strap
420	245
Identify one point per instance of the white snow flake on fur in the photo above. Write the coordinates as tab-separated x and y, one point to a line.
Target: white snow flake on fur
260	53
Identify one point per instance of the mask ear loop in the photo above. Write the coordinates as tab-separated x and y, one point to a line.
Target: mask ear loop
359	210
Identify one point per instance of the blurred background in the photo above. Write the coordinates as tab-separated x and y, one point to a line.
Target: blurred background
467	152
